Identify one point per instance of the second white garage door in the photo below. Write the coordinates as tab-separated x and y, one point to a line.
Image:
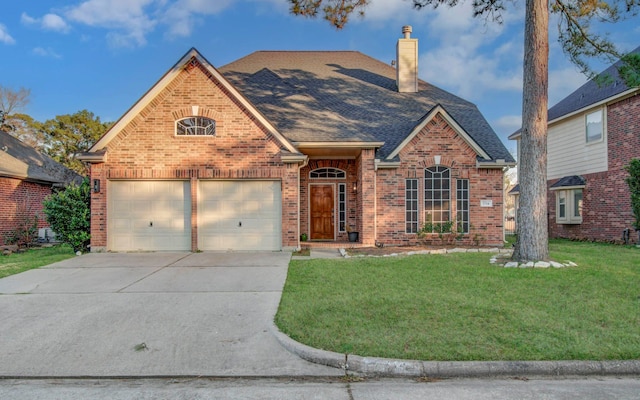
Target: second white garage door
239	215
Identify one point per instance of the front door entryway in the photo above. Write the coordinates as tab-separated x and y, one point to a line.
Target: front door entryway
321	212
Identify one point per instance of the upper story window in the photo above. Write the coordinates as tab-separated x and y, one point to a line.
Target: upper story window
594	126
327	173
196	126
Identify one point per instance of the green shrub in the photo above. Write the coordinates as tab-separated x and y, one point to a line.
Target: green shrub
68	212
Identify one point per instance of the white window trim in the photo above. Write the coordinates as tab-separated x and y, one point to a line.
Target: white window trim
569	192
417	203
448	199
342	187
197	134
335	171
603	115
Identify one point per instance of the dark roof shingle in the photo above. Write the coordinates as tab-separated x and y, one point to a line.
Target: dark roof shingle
22	161
591	92
347	96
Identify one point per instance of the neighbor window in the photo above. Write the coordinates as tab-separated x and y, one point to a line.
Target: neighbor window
411	205
569	206
462	205
196	126
437	195
594	126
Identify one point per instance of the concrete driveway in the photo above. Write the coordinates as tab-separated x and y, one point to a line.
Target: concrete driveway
148	314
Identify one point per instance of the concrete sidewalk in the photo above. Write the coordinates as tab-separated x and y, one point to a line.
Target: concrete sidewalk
148	314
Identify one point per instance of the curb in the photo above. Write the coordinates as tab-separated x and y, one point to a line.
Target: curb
385	367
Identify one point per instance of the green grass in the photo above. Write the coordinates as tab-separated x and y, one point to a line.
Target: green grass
459	307
34	258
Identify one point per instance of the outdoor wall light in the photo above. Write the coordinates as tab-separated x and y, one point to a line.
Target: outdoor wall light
96	186
355	187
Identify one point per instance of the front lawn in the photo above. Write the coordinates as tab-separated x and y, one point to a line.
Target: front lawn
459	307
33	258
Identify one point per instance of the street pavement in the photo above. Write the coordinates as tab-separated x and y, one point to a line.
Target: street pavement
315	388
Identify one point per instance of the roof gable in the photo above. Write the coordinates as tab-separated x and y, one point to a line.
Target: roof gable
155	90
438	109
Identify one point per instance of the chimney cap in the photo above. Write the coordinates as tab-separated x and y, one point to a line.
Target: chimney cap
406	31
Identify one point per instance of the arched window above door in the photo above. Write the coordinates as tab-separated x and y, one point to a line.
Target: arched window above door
334	173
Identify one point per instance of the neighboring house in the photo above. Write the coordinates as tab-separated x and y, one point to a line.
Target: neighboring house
26	178
593	134
278	144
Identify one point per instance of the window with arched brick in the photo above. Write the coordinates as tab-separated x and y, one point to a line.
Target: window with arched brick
195	126
437	194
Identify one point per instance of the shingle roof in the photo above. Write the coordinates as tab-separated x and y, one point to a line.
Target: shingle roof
347	96
21	161
591	92
569	181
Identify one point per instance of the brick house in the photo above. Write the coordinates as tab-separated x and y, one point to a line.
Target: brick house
278	144
26	178
592	135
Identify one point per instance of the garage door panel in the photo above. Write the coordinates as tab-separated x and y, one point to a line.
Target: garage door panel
149	215
239	215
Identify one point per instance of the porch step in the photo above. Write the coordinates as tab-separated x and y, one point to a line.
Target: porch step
331	245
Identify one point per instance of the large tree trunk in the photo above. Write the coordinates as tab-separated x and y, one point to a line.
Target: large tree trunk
533	236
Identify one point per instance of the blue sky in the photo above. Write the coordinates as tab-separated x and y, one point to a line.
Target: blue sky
103	55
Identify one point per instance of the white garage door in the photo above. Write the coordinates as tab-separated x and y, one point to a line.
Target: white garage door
149	215
239	215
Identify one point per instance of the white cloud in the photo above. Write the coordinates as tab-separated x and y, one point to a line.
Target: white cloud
50	22
470	56
54	22
48	52
127	20
27	20
4	36
183	15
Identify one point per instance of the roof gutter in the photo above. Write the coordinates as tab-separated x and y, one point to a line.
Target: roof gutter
92	157
341	145
499	163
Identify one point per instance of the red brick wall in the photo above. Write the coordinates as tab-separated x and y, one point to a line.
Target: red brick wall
19	200
607	200
438	138
147	148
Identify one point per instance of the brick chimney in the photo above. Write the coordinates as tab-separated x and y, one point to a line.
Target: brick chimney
407	62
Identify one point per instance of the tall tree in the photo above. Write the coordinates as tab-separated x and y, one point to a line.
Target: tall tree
11	102
69	134
578	41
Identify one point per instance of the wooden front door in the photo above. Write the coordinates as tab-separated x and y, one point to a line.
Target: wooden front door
321	202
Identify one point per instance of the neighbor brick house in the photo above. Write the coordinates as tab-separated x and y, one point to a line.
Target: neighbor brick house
592	135
278	144
26	178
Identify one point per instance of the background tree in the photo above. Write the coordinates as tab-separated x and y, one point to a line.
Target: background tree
68	134
578	41
11	102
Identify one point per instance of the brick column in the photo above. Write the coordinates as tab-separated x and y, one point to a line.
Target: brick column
367	197
98	209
